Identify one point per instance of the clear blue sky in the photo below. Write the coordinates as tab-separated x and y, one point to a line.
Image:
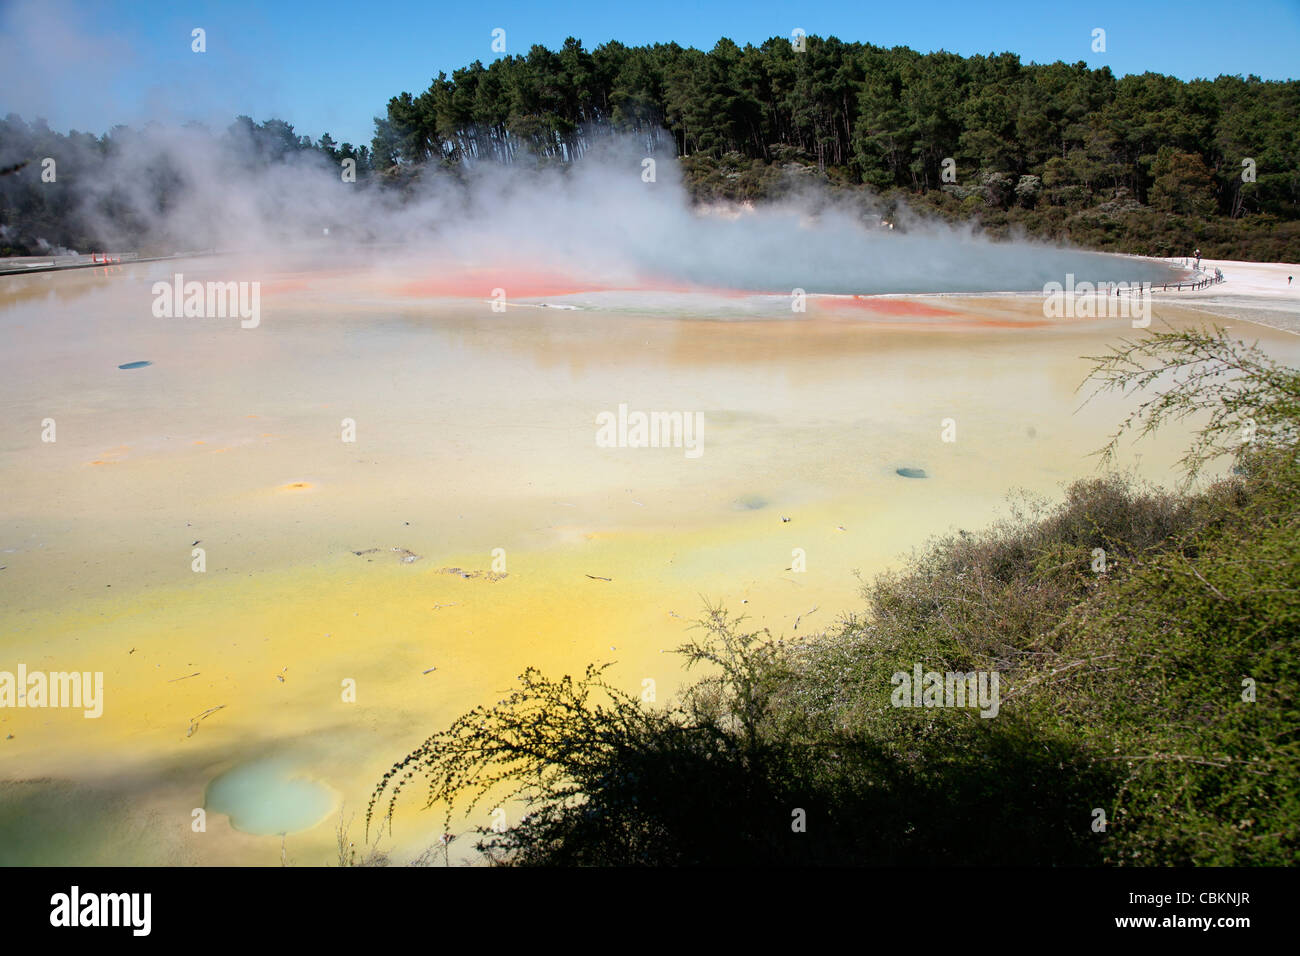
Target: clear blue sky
332	66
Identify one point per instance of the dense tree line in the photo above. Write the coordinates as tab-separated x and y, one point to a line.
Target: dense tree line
1062	149
1145	164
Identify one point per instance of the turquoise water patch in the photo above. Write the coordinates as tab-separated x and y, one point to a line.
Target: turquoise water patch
269	796
135	364
911	472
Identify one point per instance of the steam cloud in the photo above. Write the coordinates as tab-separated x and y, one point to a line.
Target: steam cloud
596	220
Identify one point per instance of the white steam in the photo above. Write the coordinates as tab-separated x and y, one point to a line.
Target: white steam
597	220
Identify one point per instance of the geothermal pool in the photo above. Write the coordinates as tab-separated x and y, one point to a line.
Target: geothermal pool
295	550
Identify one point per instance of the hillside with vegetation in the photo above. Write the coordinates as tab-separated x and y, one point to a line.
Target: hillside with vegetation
1147	164
1146	642
1143	164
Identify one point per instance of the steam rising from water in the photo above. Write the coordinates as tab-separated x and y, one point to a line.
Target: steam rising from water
596	221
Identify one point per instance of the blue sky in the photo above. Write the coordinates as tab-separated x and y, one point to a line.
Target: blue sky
332	66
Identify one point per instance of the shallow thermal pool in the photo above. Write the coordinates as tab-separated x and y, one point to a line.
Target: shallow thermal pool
269	796
325	537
